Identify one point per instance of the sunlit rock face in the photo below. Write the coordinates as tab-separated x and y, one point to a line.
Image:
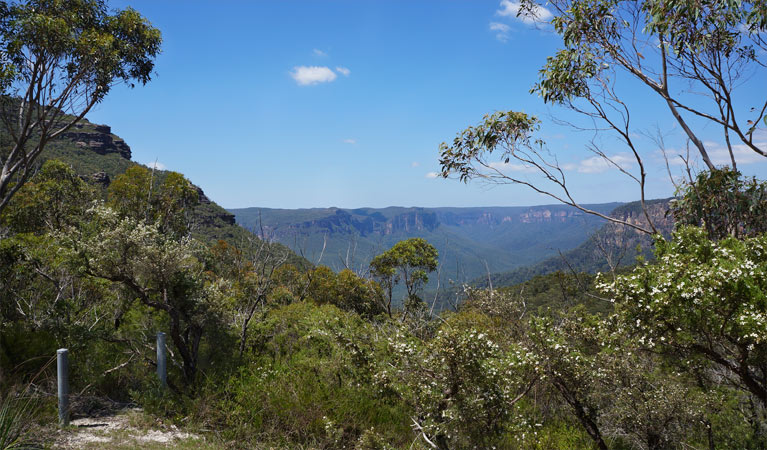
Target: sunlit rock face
98	138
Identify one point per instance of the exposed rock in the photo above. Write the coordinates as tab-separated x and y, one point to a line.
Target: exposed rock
658	210
202	198
98	138
101	178
412	221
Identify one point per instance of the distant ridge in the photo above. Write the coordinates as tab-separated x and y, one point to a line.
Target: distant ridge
470	240
619	241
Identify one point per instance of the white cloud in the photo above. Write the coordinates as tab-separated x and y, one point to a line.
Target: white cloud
501	31
720	155
343	71
512	167
598	164
309	75
511	9
320	53
415	164
350	141
432	175
156	165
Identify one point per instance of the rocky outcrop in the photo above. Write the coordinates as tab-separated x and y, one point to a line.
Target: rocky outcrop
658	210
98	138
210	214
530	215
548	215
201	197
100	178
411	221
340	221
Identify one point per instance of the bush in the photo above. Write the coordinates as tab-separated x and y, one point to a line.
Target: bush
309	382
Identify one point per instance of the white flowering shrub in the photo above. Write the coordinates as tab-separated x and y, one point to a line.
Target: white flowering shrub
619	394
701	301
160	271
461	384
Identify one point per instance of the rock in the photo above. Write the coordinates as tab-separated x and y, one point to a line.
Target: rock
99	138
202	198
101	178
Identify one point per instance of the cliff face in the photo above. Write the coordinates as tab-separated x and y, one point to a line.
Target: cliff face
408	221
98	138
342	221
538	214
101	141
632	213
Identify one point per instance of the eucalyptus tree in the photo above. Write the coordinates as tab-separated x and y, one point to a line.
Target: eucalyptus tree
59	58
409	261
694	56
700	60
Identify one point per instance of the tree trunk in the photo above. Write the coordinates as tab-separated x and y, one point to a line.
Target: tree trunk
584	418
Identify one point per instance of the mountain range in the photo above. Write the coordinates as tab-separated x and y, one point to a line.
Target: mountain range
470	241
477	245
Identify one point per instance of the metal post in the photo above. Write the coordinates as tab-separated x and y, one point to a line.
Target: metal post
161	362
62	365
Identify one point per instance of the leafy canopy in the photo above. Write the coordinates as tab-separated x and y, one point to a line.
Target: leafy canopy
59	58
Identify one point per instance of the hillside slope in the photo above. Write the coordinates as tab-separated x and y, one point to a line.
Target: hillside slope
611	244
98	156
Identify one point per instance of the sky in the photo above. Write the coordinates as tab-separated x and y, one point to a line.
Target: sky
300	104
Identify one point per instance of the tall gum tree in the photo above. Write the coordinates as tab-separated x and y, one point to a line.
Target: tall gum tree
699	58
59	58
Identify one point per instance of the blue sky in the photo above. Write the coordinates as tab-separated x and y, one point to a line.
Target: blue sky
344	103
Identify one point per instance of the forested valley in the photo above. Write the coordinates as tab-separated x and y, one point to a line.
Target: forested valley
648	331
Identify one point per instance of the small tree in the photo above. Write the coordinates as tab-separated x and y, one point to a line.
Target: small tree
164	274
724	203
693	56
410	261
59	59
462	385
166	199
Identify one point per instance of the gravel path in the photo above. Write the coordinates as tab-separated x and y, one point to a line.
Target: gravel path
117	431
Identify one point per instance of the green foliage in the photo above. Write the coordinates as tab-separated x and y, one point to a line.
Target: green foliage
704	300
60	58
162	272
593	33
346	291
461	384
16	416
724	203
409	261
166	200
56	198
509	130
559	291
81	36
309	381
